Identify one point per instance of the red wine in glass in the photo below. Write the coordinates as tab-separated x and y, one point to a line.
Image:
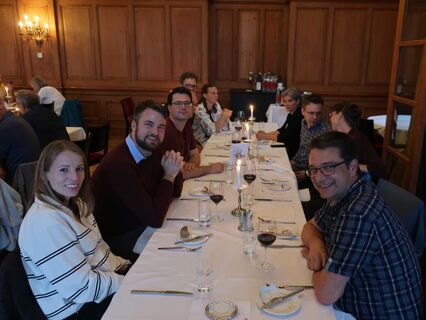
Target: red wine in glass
266	239
236	141
216	198
238	128
249	177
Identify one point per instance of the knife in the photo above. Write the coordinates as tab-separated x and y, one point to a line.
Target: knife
277	221
275	170
277	300
216	155
209	180
193	198
183	219
270	199
194	238
163	292
282	246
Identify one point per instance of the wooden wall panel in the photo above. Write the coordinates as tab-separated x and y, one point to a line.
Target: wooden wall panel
224	44
248	42
348	47
78	44
382	35
273	46
308	54
9	61
113	36
150	30
186	40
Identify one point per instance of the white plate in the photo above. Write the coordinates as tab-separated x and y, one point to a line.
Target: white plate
284	308
221	310
280	186
201	192
287	232
193	234
266	160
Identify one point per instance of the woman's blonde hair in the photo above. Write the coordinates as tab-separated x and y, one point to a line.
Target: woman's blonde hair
42	187
37	83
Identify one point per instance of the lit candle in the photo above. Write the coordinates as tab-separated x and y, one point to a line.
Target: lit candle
7	92
251	111
46	26
26	18
238	180
20	24
36	20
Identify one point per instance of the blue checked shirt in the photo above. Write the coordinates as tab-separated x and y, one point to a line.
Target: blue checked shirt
367	243
301	158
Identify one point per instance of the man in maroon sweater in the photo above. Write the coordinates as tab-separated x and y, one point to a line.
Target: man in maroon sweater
180	136
134	184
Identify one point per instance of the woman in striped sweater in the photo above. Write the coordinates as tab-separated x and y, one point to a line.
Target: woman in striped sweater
70	269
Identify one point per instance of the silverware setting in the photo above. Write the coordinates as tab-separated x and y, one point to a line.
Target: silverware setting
277	300
273	199
190	198
292	286
277	221
216	155
184	219
209	180
180	248
283	246
194	238
274	170
162	292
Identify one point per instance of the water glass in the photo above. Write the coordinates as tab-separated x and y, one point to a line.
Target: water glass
229	173
249	243
204	215
204	273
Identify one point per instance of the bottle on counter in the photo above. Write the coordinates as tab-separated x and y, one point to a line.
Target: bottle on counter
259	82
278	97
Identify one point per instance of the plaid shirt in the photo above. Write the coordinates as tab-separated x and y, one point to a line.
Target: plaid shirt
367	243
203	124
300	159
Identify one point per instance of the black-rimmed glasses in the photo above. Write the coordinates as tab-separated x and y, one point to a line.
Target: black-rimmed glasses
182	103
326	170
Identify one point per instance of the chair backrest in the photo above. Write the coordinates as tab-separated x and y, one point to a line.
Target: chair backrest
366	126
23	182
84	144
99	137
128	107
16	298
408	208
48	105
71	113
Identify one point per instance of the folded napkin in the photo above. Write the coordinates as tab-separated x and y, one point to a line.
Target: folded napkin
198	307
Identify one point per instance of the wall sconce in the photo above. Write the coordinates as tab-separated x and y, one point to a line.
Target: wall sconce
33	30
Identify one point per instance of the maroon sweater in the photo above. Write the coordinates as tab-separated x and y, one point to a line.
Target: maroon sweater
129	196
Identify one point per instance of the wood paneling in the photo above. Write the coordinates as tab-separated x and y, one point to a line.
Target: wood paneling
223	44
10	64
273	47
307	57
248	42
78	44
150	26
113	36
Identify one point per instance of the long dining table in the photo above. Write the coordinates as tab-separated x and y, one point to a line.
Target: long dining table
235	275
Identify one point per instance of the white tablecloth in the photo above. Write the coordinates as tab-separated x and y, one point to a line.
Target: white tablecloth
277	114
403	125
76	133
235	276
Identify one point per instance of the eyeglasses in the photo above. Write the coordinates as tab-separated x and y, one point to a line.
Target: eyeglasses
182	103
311	114
190	86
326	170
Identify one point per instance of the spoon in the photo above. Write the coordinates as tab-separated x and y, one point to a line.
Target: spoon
184	232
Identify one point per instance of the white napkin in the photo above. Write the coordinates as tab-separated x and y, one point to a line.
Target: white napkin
198	307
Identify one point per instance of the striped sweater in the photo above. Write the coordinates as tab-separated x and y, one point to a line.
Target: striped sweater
67	262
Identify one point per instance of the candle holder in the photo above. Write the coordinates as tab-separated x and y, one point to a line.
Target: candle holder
239	210
251	119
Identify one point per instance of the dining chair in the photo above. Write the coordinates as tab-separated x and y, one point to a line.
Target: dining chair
71	113
409	209
128	107
99	140
16	298
366	126
84	144
23	182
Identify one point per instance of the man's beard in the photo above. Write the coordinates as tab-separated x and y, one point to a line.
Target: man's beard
142	143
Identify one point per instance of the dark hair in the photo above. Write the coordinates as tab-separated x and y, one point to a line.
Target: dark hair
27	97
350	112
181	90
312	98
187	75
42	187
339	140
148	104
205	89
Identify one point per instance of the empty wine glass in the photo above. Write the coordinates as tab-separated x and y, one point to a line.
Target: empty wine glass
216	195
241	115
266	235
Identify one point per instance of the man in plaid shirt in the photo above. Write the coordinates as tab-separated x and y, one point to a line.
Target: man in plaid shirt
362	257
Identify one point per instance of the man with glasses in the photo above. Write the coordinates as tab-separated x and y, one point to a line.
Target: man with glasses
189	80
312	126
361	256
179	135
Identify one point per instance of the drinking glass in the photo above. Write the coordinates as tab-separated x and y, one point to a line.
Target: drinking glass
266	235
235	138
204	215
241	115
249	175
204	273
216	195
237	124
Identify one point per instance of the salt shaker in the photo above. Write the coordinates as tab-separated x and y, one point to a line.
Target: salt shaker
246	220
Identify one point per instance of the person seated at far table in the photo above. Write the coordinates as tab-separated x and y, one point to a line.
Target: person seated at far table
70	269
344	117
48	94
312	126
179	135
134	184
289	133
47	125
18	143
209	116
362	258
189	80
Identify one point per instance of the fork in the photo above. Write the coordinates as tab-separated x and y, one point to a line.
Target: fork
290	286
180	248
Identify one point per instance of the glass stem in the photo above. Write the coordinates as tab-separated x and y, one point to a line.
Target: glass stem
266	255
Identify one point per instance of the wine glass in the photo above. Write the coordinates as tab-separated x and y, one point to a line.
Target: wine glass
216	195
266	234
241	115
237	124
249	175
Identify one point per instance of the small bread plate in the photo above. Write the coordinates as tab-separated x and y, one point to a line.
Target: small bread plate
283	308
287	233
221	310
192	235
263	159
280	186
200	192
